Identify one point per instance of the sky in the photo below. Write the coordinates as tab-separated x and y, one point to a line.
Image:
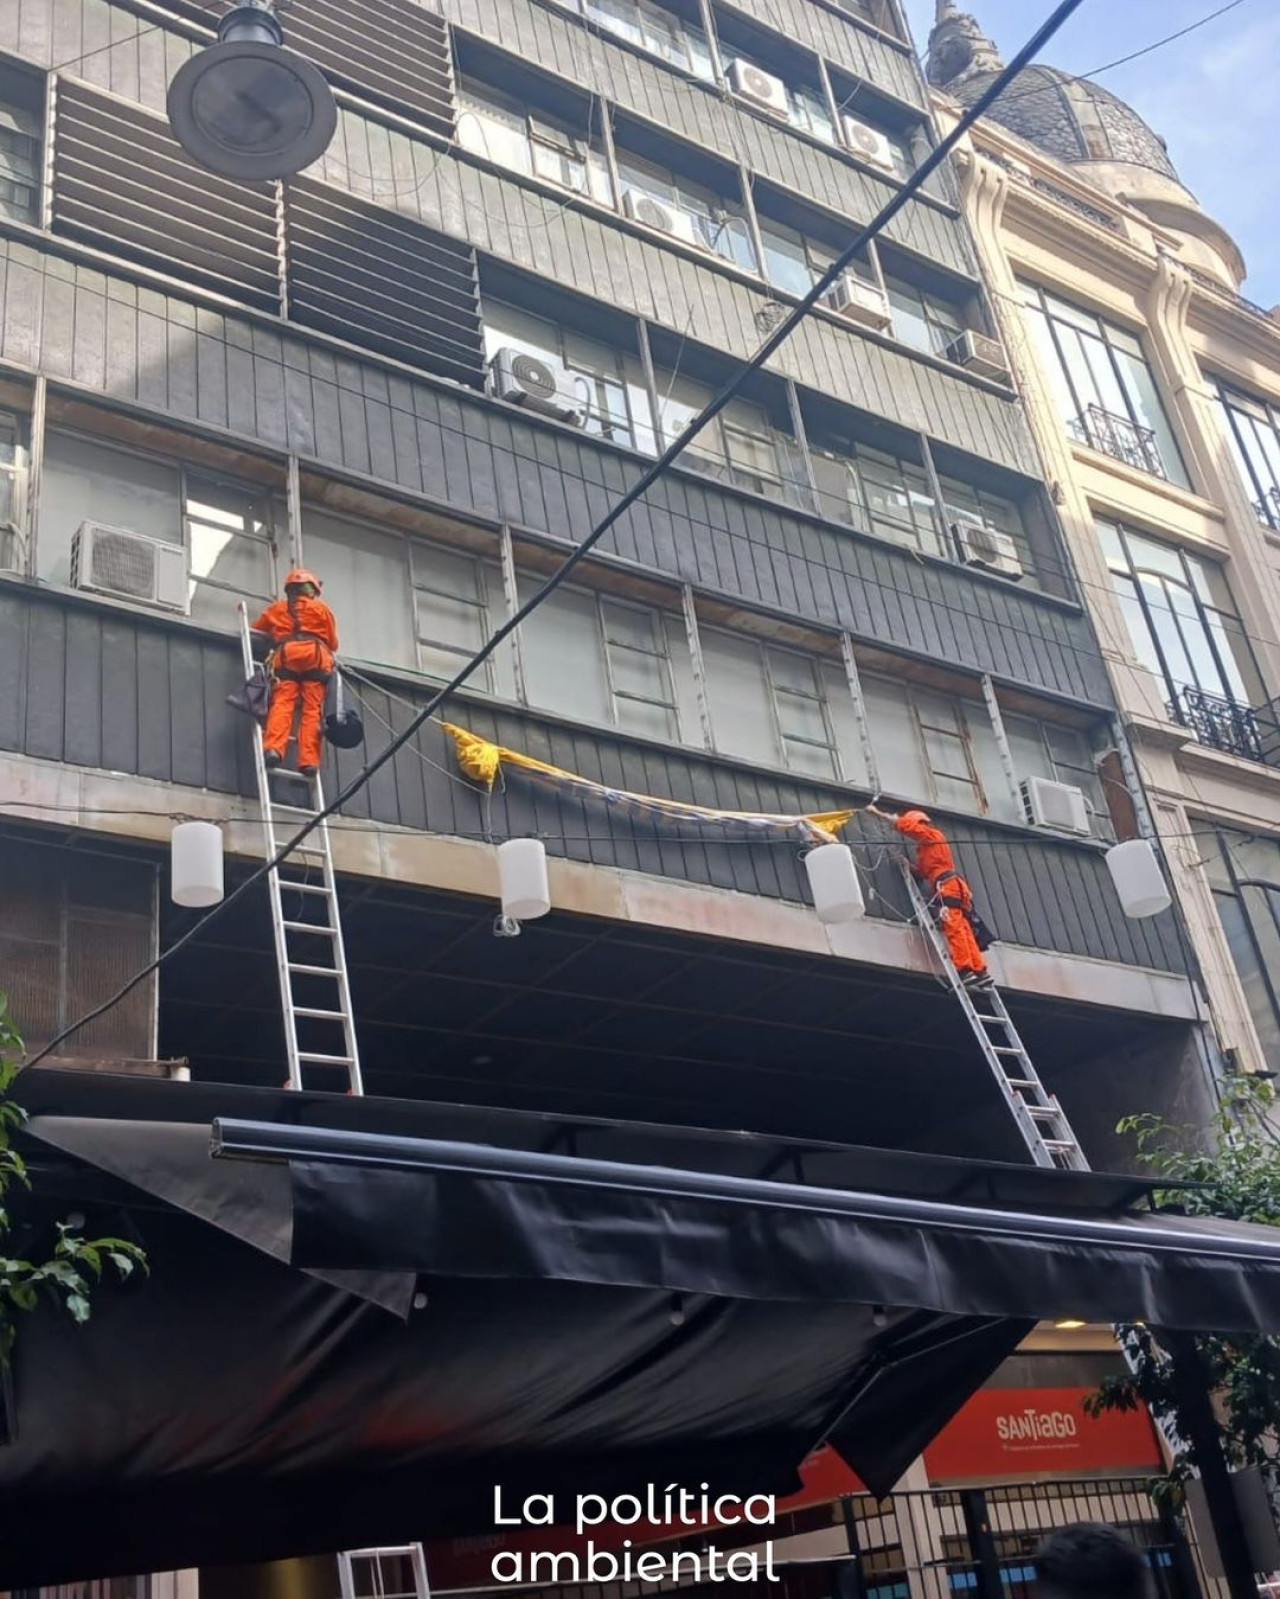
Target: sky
1211	95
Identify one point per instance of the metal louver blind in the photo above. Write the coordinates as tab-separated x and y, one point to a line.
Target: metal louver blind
121	181
76	926
395	52
383	282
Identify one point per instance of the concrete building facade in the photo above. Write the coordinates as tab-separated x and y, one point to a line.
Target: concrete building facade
1151	384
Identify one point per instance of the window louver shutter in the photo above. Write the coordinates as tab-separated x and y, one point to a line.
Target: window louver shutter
123	183
393	52
383	282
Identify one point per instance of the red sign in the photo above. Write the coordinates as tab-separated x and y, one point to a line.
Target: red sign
1026	1431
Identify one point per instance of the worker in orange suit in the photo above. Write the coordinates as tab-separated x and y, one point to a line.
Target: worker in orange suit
948	891
302	637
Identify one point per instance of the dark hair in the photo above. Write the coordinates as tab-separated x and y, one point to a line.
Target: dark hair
1089	1561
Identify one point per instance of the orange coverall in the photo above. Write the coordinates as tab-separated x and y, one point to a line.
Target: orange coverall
934	861
305	636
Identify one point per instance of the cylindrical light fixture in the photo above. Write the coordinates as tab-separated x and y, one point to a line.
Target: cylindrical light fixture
522	879
834	884
1138	880
247	107
195	864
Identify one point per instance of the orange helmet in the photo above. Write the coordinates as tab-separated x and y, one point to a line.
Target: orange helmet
917	816
300	575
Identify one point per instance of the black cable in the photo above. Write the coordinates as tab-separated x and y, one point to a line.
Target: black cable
644	483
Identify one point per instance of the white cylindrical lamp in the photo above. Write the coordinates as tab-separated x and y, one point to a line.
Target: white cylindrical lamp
834	884
1139	882
195	864
522	879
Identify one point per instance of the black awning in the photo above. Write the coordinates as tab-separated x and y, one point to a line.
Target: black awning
238	1406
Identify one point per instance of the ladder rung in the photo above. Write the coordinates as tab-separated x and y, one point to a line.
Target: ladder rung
293	810
1044	1113
309	927
1059	1146
304	888
326	1060
1020	1082
315	971
1008	1049
320	1015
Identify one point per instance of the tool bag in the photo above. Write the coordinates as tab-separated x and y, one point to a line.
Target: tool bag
342	727
255	697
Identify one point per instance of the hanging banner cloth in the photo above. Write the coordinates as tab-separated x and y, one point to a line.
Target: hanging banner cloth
481	760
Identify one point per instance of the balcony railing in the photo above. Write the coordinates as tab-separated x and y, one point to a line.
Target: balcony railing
1226	725
1267	508
1119	438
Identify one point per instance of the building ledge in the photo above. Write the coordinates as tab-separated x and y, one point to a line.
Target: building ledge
143	809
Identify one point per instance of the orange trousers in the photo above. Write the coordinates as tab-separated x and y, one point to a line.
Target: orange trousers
965	954
286	693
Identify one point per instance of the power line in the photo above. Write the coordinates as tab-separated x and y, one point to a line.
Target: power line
643	484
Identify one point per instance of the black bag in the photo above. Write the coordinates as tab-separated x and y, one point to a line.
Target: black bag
255	697
342	727
982	934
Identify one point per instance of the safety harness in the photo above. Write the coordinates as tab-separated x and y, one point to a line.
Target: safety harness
983	936
314	674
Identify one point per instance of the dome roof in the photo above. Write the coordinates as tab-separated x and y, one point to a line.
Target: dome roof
1070	118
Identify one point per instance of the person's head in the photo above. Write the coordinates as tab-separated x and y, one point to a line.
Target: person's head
300	582
1089	1561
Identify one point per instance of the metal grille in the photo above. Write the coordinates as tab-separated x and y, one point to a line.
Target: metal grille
121	181
1222	724
1121	439
75	928
394	52
383	282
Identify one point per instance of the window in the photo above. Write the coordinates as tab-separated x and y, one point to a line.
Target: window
792	260
1061	754
226	527
608	384
741	444
21	98
924	320
964	502
717	224
13	490
503	130
869	135
1104	389
781	708
1251	922
1253	432
806	104
457	603
878	492
600	659
682	44
932	748
1184	628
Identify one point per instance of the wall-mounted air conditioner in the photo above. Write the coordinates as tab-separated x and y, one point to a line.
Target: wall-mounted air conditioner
988	547
859	301
1059	807
870	144
538	385
641	207
979	354
760	87
131	566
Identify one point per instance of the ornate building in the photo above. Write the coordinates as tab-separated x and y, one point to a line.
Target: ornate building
1154	389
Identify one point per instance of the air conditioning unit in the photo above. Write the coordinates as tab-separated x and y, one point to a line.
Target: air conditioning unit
979	354
870	144
131	566
981	545
1060	807
537	385
670	219
859	301
760	87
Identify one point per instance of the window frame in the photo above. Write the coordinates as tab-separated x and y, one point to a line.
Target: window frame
1236	406
20	126
416	549
16	470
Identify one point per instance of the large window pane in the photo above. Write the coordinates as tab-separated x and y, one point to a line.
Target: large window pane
895	738
738	698
366	583
229	538
1252	430
85	480
563	654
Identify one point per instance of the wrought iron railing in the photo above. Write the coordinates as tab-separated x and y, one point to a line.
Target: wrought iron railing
1224	724
1267	508
1120	438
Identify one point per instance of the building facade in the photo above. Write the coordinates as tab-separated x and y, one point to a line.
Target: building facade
1152	385
545	232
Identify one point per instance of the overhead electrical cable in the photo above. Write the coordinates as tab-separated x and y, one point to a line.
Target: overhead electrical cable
639	489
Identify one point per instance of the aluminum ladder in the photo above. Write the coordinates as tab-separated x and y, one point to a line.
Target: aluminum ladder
361	1573
1039	1117
311	959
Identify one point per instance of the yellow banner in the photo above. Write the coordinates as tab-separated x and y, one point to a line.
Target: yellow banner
481	760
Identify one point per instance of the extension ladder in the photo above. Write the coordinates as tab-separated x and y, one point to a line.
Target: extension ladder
1039	1117
311	959
363	1573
